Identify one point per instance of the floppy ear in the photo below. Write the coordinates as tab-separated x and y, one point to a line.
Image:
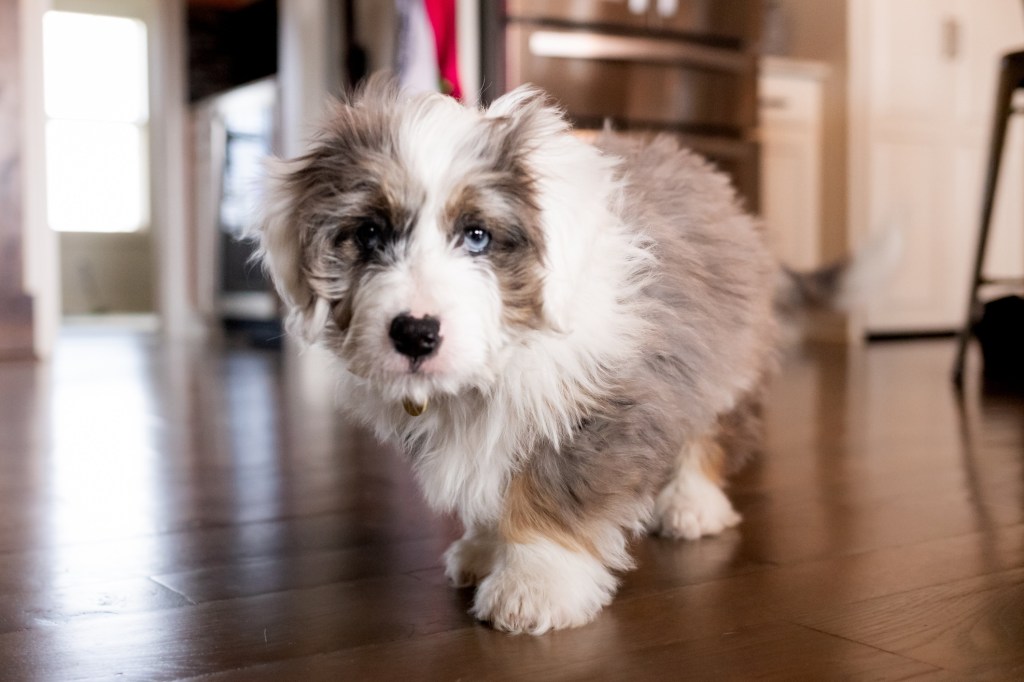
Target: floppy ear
530	114
569	179
526	122
280	250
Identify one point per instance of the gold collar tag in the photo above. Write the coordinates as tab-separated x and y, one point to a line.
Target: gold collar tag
414	409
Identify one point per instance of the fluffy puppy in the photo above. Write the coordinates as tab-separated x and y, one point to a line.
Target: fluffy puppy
567	339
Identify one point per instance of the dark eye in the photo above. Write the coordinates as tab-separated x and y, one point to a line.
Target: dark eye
370	235
476	239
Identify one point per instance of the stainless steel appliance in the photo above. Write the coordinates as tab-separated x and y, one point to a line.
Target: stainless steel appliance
686	66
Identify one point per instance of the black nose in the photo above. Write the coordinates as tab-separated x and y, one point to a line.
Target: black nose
415	336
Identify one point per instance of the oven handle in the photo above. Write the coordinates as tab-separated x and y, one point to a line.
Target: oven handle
577	45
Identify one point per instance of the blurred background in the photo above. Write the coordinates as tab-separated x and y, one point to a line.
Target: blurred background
134	129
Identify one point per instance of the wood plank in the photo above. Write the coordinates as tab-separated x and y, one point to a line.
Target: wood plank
184	551
175	643
671	565
49	608
783	652
787	592
792	532
964	626
243	578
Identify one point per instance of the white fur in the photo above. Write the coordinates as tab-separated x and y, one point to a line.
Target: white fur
281	253
499	392
692	506
471	558
543	586
431	280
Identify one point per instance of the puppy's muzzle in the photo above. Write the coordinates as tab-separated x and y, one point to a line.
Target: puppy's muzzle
415	337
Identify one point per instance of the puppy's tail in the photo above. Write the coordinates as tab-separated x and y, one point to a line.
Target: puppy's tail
844	284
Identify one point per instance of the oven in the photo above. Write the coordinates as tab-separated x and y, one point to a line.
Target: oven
684	66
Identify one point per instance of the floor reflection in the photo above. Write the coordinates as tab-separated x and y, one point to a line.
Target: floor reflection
103	458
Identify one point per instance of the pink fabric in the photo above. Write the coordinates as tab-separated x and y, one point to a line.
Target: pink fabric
442	19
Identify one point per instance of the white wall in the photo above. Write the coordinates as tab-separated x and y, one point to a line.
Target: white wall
171	209
42	277
307	68
468	18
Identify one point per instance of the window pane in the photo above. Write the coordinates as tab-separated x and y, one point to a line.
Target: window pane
96	176
94	67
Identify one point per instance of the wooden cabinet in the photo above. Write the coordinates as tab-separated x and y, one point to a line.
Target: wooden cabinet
790	106
922	85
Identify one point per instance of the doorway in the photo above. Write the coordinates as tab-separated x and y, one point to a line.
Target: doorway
98	159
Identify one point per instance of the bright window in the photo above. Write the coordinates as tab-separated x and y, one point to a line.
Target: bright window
96	98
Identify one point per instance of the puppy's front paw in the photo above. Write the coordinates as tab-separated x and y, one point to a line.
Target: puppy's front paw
543	586
691	506
470	559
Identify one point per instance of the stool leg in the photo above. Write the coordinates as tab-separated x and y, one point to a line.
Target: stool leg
1008	81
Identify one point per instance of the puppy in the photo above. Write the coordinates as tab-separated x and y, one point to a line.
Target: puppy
567	339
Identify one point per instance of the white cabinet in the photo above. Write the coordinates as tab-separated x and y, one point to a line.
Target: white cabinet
790	109
922	84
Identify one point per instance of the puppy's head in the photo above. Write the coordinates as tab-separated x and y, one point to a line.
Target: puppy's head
412	240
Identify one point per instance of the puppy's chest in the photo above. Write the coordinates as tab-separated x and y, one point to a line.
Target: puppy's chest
465	470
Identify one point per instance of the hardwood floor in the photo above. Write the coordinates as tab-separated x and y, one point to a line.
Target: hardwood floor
172	512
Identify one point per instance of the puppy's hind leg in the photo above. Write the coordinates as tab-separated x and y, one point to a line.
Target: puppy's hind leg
693	503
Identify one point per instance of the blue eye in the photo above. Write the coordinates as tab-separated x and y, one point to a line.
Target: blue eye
476	239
